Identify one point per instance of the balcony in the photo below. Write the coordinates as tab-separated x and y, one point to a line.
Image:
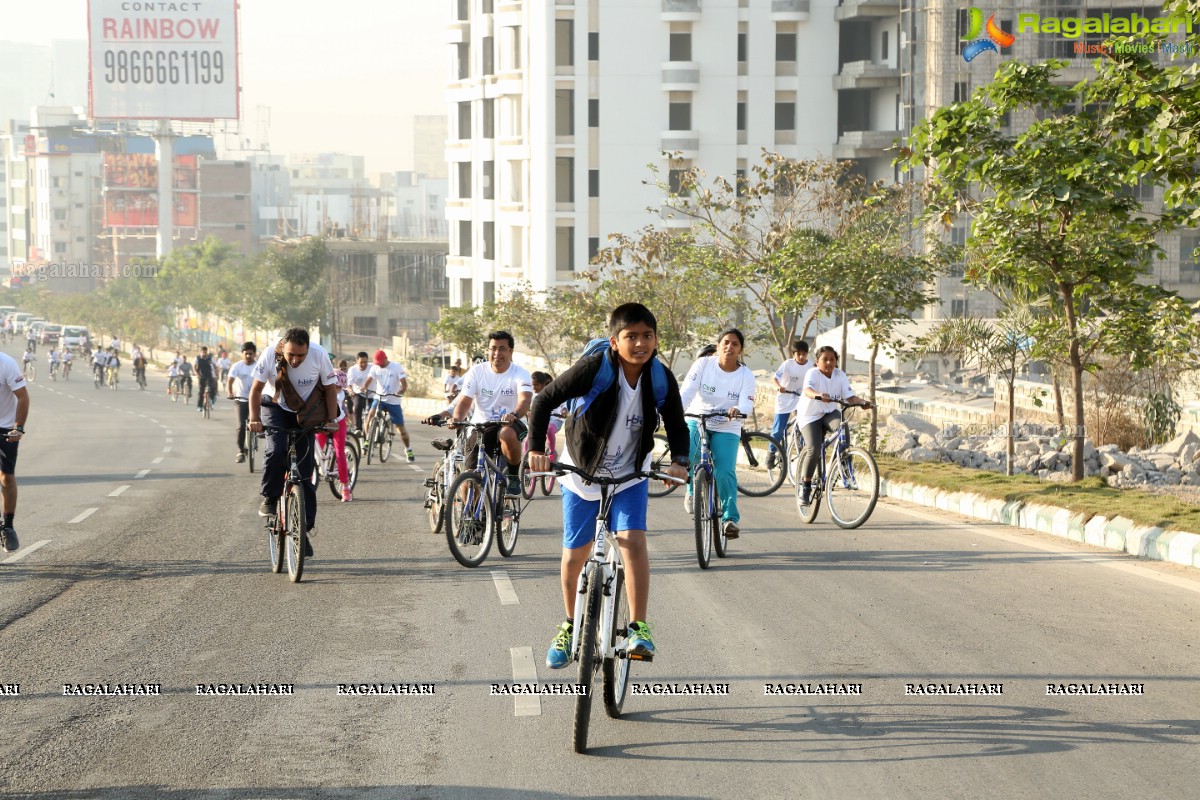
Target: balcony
866	9
790	10
681	10
458	32
865	144
687	143
680	76
866	75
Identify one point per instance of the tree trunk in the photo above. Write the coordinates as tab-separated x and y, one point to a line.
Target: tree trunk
845	336
1010	445
871	396
1058	403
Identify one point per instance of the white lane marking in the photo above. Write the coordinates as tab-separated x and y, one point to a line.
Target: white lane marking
157	460
17	556
523	671
117	492
156	422
141	474
169	432
1116	559
504	588
167	449
83	516
168	440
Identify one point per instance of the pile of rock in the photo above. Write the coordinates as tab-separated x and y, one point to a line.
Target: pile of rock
1048	456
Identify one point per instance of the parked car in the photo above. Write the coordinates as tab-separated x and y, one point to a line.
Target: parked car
51	334
20	320
74	335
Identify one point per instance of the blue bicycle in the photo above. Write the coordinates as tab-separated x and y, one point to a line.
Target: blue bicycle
479	510
849	481
705	502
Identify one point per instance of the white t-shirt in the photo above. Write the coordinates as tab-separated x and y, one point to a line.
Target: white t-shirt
315	367
708	388
621	448
453	382
242	375
224	363
357	376
11	379
495	393
837	385
791	377
387	381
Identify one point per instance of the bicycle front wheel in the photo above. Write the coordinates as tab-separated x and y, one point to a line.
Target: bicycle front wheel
851	487
385	445
754	477
660	459
297	537
508	527
251	448
702	517
469	526
808	513
436	499
275	541
351	464
588	662
371	436
616	669
528	484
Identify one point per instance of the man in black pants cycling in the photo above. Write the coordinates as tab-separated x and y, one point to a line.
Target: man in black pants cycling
206	377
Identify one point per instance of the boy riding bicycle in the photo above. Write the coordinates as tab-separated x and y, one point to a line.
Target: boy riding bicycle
594	442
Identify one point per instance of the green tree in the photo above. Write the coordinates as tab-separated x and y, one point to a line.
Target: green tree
288	286
1052	211
463	327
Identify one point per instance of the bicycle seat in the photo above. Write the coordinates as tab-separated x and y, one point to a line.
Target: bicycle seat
443	444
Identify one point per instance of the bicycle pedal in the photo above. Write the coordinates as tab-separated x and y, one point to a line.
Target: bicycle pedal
640	657
428	484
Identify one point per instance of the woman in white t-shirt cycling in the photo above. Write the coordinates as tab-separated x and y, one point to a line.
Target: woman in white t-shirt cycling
720	383
821	385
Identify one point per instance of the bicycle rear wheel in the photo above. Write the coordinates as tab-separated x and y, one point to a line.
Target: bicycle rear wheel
436	499
587	663
207	405
808	513
275	537
469	526
528	484
297	537
702	517
660	459
547	485
852	487
508	527
754	479
371	437
616	669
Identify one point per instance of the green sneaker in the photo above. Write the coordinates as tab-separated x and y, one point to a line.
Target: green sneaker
639	645
559	654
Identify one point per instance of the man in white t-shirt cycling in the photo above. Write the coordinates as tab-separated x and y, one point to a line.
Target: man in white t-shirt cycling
14	409
358	379
789	379
237	388
305	365
497	390
388	380
822	384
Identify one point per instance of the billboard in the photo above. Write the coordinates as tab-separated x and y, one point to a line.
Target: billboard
131	190
162	60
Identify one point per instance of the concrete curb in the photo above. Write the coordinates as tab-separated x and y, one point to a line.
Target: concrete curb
1121	534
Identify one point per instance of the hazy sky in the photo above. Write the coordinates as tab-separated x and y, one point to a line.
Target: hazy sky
337	75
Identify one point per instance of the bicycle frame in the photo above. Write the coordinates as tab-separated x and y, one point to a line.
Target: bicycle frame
603	565
705	463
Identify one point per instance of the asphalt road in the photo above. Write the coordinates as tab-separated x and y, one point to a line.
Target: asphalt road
166	582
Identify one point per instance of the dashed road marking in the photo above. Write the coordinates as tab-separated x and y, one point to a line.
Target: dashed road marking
141	474
504	588
157	460
120	490
167	449
523	671
17	556
87	513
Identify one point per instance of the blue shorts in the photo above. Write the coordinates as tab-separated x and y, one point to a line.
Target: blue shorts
394	412
628	513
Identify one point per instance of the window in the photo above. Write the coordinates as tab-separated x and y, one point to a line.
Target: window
961	93
740	177
675	182
463	10
489	180
466	292
564	249
359	269
488	112
564	180
464	120
463	60
60	213
564	112
681	47
679	116
741	47
464	179
593	248
1189	267
593	46
366	326
593	113
516	181
564	43
593	183
489	292
464	237
958	308
785	116
486	6
489	56
489	241
883	51
741	115
60	248
958	238
785	46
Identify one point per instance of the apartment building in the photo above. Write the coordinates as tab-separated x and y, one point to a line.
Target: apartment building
558	107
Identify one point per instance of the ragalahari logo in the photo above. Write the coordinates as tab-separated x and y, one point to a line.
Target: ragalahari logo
980	43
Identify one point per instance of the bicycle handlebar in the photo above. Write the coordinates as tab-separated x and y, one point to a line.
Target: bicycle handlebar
322	428
561	469
713	415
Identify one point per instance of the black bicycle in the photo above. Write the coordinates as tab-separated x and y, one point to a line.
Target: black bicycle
287	533
479	509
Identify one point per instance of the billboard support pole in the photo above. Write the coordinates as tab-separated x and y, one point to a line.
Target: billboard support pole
164	149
